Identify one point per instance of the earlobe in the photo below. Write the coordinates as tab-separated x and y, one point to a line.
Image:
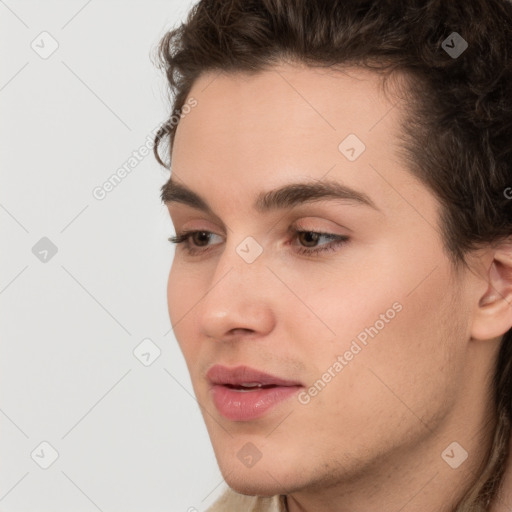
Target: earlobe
493	316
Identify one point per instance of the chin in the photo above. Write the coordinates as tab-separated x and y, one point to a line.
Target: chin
259	480
265	486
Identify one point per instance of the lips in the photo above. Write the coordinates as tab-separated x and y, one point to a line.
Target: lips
261	394
239	375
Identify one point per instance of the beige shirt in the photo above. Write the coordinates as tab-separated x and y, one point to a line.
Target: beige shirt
232	501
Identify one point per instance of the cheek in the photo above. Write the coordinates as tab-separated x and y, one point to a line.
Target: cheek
181	297
173	289
184	286
416	361
402	294
403	341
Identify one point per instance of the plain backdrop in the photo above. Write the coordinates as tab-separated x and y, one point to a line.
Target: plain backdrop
97	410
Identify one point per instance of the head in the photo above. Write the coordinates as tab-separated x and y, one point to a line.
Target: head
349	120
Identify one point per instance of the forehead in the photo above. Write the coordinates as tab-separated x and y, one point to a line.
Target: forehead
284	105
254	132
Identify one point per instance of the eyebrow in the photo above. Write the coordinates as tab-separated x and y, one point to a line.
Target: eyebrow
287	196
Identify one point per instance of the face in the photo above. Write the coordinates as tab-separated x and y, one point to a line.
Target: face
366	326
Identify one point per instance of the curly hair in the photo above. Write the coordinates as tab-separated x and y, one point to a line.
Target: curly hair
456	136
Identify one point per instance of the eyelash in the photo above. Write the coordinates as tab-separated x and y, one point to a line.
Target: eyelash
339	240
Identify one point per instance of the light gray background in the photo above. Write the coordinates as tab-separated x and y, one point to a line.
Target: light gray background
129	437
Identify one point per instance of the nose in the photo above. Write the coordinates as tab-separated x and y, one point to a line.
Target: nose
239	296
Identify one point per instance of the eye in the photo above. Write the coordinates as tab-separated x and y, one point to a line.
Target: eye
313	237
308	236
185	236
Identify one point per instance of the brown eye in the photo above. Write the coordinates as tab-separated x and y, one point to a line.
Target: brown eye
309	237
200	235
196	242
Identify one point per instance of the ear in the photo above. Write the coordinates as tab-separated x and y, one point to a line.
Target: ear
493	316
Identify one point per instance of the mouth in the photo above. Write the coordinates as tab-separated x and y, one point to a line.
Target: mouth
244	377
249	387
245	394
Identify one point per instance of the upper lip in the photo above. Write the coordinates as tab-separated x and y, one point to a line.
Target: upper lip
238	375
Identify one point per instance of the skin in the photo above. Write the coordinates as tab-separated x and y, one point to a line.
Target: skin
372	439
503	500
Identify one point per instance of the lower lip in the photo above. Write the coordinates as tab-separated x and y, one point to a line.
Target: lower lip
249	405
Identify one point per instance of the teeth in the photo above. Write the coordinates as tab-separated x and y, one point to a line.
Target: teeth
249	386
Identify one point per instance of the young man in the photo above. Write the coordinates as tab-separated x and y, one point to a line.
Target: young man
342	287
